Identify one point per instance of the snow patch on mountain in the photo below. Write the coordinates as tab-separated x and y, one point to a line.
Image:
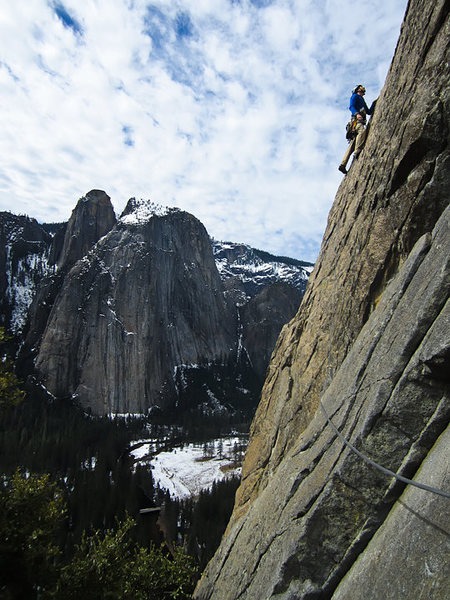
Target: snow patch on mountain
256	269
22	287
25	264
140	211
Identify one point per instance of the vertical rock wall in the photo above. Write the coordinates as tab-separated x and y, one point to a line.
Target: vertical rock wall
148	298
92	218
394	194
305	507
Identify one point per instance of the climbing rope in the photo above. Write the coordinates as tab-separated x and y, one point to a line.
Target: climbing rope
385	471
330	371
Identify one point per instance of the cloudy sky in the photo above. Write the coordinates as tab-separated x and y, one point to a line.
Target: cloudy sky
233	110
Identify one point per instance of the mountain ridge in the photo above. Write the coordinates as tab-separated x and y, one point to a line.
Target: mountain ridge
95	261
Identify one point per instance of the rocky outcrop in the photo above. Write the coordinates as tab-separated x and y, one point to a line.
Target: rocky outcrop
372	226
92	218
146	300
371	339
187	315
390	399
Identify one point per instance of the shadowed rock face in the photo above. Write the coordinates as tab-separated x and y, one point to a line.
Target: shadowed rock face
420	562
371	338
261	319
23	263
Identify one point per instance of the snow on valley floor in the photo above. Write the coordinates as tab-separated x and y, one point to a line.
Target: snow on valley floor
185	471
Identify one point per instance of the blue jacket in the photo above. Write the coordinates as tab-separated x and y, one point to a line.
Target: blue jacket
357	104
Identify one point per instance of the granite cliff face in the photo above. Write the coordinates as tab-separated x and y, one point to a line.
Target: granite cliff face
134	314
371	340
92	218
145	300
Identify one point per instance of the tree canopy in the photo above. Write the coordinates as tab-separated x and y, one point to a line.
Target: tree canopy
106	565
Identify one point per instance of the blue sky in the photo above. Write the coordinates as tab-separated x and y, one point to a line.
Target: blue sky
233	110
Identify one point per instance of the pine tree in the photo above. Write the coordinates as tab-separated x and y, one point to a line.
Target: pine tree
10	392
31	513
111	567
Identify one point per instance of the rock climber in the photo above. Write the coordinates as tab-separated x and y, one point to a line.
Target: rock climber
359	110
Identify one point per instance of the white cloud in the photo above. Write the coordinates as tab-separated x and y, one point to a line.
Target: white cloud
231	111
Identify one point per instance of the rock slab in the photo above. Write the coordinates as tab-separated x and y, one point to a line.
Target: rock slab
371	339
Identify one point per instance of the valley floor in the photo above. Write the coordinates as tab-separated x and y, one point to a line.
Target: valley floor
187	470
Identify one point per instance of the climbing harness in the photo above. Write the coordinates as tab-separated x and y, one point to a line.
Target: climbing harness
350	130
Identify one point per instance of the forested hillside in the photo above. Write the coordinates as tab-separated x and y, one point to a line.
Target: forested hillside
99	486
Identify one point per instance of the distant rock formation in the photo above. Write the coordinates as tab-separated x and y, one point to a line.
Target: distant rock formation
371	339
133	314
261	317
24	261
92	218
146	300
248	271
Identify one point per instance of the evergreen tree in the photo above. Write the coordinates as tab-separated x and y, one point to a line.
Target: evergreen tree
111	567
10	392
31	513
104	566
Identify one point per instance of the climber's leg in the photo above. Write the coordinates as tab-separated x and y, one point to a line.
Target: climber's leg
361	133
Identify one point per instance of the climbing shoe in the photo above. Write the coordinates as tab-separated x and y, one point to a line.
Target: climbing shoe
342	169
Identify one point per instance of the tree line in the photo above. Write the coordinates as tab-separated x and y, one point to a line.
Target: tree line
69	484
